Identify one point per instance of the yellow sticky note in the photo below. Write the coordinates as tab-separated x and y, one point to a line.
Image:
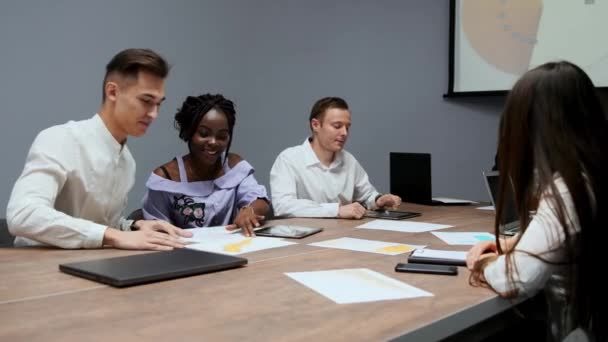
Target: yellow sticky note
236	247
395	249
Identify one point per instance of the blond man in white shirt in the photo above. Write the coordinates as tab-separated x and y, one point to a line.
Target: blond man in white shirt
319	178
74	186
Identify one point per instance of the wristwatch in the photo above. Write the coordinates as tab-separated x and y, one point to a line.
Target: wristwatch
133	225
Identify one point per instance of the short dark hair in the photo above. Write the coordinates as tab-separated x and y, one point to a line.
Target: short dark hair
129	62
321	106
189	116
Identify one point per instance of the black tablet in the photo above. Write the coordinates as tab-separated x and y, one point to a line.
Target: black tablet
287	231
390	214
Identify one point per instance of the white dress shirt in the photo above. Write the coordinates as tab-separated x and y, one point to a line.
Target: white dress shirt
545	237
301	186
74	185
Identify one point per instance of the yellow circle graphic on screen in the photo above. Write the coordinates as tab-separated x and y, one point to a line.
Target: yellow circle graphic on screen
503	32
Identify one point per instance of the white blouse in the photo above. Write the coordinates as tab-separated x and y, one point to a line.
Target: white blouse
545	237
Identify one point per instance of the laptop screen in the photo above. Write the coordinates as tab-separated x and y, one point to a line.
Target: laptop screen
510	218
410	176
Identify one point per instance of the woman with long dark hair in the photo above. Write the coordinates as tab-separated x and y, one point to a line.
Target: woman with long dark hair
552	154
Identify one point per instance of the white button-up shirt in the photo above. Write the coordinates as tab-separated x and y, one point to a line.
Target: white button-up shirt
74	185
301	186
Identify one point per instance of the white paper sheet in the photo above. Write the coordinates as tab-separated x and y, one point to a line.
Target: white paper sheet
206	233
356	285
371	246
439	254
490	207
463	238
402	226
234	244
448	200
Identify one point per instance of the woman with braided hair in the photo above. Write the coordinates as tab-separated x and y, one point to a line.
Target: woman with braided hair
209	186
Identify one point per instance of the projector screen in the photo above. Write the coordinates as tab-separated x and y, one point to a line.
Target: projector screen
493	42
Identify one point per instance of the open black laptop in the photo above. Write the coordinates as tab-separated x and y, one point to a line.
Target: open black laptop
150	267
410	178
510	220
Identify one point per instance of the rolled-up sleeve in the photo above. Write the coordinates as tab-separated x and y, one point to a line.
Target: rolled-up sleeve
364	190
30	212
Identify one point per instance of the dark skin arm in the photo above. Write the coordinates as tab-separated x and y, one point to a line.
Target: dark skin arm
250	217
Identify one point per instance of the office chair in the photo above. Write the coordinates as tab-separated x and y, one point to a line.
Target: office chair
137	214
6	239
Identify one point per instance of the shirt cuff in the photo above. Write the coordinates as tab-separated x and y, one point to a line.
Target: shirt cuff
331	209
371	201
95	236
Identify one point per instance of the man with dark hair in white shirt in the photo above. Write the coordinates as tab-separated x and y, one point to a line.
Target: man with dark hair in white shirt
77	176
319	178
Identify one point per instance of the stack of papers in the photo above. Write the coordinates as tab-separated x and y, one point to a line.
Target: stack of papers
220	240
361	245
356	285
468	238
434	256
402	226
447	200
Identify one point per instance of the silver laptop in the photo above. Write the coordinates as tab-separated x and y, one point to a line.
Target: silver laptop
510	221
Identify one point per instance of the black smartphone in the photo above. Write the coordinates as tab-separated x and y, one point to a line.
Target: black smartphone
426	268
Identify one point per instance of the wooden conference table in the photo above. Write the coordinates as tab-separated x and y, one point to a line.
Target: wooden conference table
256	302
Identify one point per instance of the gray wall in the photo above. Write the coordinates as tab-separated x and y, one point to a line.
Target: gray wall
387	58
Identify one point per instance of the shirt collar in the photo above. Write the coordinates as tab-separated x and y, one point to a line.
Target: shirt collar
311	159
106	135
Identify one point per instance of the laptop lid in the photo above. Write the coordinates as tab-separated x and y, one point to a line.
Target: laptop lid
151	267
510	219
410	176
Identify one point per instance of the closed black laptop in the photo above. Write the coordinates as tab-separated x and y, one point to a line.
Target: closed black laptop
151	267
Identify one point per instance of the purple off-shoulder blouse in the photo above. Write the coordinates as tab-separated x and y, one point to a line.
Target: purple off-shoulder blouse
204	203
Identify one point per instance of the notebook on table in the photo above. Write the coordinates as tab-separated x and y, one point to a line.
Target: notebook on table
510	219
410	179
439	257
151	267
